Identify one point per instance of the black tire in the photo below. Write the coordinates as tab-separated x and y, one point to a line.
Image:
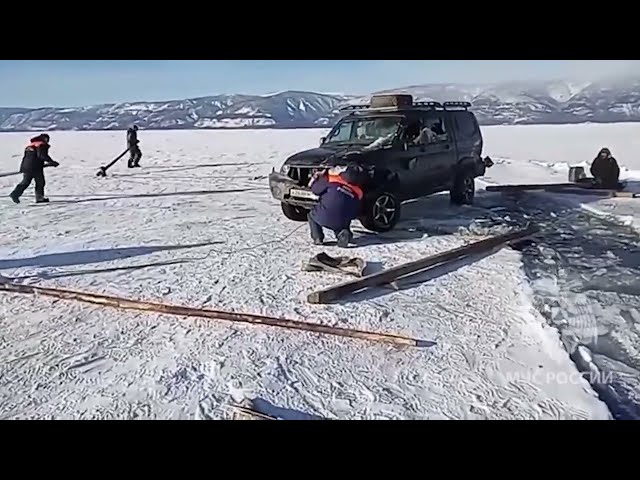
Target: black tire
464	189
295	213
381	212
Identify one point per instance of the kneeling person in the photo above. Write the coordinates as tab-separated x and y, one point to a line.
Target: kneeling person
339	203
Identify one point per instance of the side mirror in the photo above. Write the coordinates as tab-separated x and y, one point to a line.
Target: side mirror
322	140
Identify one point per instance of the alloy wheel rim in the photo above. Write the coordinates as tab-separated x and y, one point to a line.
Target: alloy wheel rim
468	188
384	210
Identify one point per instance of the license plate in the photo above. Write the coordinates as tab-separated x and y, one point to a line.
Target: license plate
302	194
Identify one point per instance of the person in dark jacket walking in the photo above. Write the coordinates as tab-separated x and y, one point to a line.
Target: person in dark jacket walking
134	149
605	170
36	157
340	198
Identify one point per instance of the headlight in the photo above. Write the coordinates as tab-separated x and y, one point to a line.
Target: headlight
285	169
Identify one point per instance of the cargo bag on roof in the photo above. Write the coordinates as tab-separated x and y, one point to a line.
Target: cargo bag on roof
395	100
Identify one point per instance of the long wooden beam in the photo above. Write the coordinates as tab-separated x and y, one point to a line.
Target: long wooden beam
387	276
593	191
124	303
567	188
531	186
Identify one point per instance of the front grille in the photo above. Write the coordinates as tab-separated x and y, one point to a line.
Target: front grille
303	174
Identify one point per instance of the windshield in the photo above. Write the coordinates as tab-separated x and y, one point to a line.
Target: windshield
365	131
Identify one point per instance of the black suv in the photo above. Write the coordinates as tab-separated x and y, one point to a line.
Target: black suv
407	149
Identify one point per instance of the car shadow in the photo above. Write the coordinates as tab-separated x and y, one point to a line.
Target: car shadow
430	216
97	198
85	257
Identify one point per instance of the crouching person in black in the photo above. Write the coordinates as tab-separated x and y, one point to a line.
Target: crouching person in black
36	157
134	149
605	171
339	204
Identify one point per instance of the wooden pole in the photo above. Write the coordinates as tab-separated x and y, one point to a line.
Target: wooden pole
387	276
102	171
533	186
598	192
128	304
567	188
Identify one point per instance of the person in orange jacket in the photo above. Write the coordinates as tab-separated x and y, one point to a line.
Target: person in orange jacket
36	157
339	203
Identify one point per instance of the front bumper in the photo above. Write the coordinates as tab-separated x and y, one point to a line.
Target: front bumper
286	190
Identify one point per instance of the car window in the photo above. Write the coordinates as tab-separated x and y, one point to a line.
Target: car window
466	125
372	132
342	133
433	129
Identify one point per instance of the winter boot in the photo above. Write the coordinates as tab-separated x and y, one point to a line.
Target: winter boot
344	238
42	200
15	197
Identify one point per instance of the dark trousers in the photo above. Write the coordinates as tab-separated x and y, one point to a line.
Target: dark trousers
38	177
317	232
136	155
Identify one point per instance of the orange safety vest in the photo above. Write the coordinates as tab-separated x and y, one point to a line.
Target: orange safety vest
338	179
35	144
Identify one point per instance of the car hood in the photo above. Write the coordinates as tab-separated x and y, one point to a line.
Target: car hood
324	156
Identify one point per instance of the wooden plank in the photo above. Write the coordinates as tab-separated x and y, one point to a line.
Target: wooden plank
129	304
568	188
388	276
102	171
593	191
532	186
243	412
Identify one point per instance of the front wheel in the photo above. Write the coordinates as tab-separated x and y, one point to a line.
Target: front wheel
464	189
295	213
381	212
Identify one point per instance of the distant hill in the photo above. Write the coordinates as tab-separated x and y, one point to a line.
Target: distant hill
529	102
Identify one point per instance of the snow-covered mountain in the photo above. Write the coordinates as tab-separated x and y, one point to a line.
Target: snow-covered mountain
528	102
281	110
531	102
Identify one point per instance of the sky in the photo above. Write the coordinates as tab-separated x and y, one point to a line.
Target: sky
72	83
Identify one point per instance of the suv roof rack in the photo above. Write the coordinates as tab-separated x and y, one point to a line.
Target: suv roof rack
463	105
414	106
427	104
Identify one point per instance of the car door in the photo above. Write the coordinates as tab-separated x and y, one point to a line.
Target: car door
437	160
407	162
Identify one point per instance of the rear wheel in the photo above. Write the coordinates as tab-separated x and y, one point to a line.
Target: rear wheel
464	189
381	212
295	213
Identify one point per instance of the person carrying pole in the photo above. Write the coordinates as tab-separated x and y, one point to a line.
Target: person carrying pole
36	157
134	149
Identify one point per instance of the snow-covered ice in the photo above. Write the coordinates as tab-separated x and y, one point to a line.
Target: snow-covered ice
197	226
